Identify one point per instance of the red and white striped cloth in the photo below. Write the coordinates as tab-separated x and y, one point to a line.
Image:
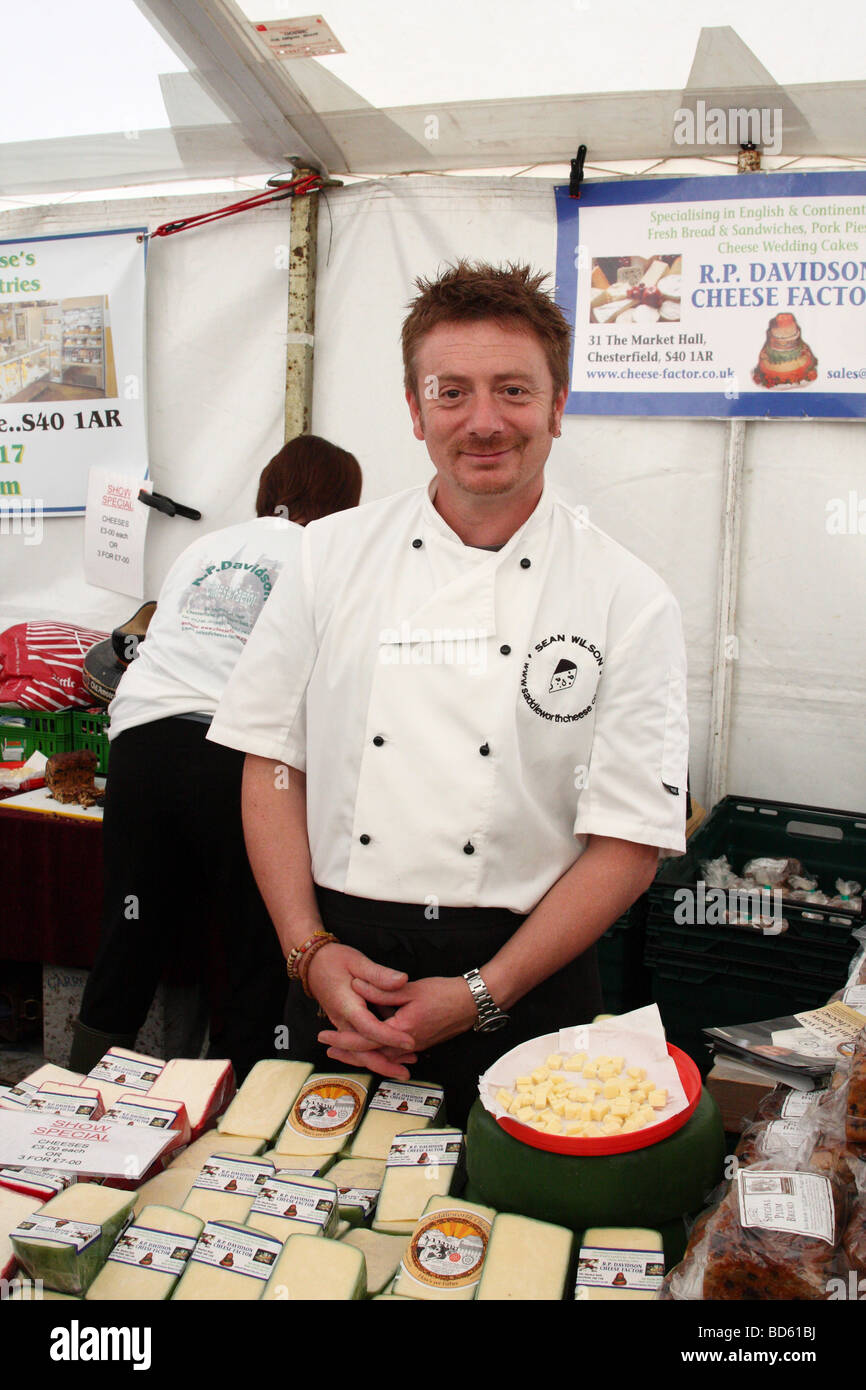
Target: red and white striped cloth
41	665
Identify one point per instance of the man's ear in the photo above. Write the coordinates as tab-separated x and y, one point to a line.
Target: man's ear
415	412
558	408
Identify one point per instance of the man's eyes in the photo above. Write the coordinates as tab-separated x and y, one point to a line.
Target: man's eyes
454	393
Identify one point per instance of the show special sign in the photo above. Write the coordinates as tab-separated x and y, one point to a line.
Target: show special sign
71	366
736	296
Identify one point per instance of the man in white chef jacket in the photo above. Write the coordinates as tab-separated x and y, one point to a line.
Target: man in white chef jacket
464	719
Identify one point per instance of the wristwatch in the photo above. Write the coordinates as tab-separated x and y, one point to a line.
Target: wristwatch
490	1016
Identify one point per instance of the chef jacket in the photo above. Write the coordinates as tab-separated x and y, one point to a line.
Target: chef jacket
466	717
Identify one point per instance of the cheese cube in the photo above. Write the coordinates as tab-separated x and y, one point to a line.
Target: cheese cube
657	1099
576	1062
554	1062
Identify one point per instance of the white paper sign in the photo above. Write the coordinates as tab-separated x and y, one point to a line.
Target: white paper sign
115	528
93	1147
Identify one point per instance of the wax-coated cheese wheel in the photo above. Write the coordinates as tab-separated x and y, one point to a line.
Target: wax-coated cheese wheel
445	1254
382	1255
316	1269
325	1114
265	1098
526	1259
619	1264
70	1237
645	1187
149	1257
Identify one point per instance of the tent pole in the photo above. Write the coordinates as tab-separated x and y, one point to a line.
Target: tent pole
302	312
726	647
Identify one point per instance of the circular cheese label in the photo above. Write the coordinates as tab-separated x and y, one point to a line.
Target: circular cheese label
330	1107
447	1249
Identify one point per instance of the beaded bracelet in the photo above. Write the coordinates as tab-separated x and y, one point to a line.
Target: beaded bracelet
322	939
296	955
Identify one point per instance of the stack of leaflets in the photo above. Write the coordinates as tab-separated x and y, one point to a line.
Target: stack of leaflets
800	1050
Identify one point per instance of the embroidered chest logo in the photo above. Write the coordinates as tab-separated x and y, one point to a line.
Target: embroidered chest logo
560	687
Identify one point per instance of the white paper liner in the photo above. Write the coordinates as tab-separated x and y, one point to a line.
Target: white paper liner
638	1037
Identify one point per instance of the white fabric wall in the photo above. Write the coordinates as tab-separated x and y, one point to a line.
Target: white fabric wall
216	330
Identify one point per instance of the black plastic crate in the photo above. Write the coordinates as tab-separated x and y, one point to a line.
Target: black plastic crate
625	979
830	844
747	947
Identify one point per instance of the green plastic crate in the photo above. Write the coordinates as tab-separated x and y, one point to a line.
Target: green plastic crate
90	731
24	731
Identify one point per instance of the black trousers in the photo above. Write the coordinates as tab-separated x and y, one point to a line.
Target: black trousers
178	887
398	935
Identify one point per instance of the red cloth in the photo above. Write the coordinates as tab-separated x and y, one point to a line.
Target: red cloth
41	665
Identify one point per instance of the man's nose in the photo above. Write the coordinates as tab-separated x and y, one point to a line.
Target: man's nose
485	413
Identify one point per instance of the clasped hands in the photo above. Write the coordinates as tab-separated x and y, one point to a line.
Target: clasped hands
419	1013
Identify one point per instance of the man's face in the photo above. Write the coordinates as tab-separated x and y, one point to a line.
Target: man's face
485	408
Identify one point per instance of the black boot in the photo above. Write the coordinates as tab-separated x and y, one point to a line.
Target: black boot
88	1045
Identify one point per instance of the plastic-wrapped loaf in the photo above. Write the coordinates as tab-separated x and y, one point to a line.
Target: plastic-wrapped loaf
855	1121
854	1239
776	1235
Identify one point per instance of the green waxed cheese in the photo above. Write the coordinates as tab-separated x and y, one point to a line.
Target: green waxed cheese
60	1265
645	1187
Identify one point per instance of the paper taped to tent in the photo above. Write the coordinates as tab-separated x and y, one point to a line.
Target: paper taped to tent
436	136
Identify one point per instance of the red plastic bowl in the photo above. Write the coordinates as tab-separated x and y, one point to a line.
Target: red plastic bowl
616	1143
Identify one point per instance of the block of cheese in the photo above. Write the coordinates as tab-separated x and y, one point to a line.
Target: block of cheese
325	1114
396	1106
321	1270
67	1241
136	1109
229	1262
421	1164
39	1183
14	1207
20	1093
287	1205
358	1182
619	1263
168	1189
265	1098
149	1257
60	1098
120	1070
303	1166
226	1187
200	1150
526	1259
382	1255
445	1254
204	1086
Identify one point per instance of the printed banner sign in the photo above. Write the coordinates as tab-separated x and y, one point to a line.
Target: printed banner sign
737	296
71	366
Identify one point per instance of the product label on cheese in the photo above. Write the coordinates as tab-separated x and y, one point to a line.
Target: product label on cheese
19	1094
37	1179
363	1197
447	1249
424	1150
598	1268
798	1102
285	1197
407	1099
227	1174
329	1108
61	1103
131	1072
150	1249
130	1112
226	1248
59	1228
799	1203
